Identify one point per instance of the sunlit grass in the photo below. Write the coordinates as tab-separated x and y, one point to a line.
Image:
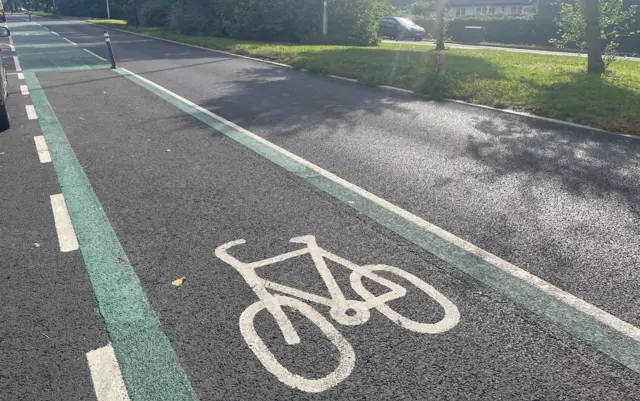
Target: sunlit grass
107	21
548	85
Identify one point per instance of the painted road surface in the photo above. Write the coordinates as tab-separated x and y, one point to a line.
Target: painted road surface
225	267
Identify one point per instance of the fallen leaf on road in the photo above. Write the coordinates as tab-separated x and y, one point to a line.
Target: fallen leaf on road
36	245
178	282
120	260
1	153
168	150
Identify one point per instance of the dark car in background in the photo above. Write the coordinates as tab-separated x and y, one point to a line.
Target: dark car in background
400	28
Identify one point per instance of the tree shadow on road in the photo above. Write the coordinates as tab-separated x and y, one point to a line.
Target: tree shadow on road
585	163
291	103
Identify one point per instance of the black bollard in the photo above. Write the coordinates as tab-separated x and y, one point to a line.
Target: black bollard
107	39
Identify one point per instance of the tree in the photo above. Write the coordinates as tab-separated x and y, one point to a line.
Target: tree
594	25
593	39
440	9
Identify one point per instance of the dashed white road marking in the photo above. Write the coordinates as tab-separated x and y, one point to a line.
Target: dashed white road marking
106	375
31	112
70	41
93	54
66	234
24	90
20	75
55	33
43	150
17	63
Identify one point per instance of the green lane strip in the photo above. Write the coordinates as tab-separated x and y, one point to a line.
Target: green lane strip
149	365
71	69
617	345
40	50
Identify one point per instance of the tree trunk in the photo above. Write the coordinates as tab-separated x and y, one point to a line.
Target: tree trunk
440	8
594	42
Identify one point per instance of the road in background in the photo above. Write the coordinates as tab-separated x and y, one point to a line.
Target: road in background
176	183
503	48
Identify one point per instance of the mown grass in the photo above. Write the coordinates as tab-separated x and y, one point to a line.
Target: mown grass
547	85
104	21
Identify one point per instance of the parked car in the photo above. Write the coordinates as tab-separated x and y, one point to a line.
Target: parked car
4	88
399	28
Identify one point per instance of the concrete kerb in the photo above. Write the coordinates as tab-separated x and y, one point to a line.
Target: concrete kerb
385	87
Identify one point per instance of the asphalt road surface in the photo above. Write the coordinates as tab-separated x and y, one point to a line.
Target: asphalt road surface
196	225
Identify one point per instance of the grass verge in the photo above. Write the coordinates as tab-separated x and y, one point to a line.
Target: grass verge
547	85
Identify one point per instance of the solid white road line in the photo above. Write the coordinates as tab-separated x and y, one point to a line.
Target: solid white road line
66	234
31	112
24	89
55	33
20	75
393	88
598	314
106	375
343	78
16	62
93	54
70	41
43	150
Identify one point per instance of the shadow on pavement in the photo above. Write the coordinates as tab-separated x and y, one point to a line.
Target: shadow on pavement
586	164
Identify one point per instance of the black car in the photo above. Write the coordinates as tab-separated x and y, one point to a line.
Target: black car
4	88
399	28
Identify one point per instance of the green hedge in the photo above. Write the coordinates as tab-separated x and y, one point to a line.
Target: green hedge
512	29
353	22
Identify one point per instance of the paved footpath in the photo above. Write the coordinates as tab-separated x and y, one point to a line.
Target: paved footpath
184	256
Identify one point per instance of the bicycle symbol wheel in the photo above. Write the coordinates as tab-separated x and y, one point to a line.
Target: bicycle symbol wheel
270	362
451	313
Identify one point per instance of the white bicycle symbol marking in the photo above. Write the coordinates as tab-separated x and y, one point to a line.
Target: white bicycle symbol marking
343	311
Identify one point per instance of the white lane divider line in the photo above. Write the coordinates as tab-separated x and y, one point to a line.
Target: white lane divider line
93	54
343	78
43	150
70	41
106	375
31	112
66	234
24	89
55	33
20	75
16	62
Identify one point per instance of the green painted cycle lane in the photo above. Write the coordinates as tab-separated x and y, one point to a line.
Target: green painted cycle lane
147	360
40	49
